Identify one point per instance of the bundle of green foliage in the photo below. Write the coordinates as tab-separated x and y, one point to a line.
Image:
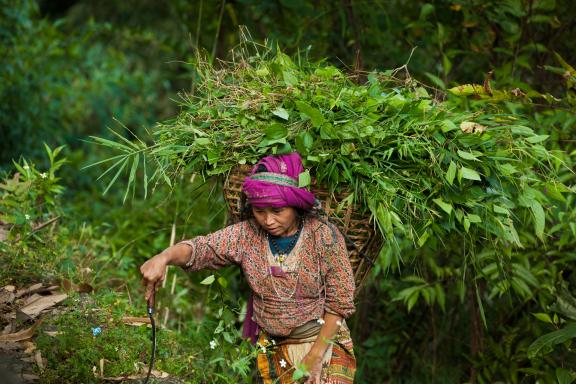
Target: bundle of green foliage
420	168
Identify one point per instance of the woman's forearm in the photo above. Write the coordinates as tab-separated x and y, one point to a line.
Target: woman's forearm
328	330
178	254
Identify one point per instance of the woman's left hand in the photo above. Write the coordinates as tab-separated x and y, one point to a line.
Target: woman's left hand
313	364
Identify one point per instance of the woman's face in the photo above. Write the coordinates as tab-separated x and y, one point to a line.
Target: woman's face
277	221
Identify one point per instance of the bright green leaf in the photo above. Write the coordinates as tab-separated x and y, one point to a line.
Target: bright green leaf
470	174
209	280
446	207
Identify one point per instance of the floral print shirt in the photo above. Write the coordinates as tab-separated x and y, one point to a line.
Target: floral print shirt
317	273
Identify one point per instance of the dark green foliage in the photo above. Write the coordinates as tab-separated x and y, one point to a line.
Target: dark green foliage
458	309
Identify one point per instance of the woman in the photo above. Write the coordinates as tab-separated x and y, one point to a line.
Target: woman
298	269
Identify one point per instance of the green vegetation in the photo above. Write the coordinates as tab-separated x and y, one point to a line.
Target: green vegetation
462	150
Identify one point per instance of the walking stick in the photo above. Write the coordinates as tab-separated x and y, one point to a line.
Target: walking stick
150	305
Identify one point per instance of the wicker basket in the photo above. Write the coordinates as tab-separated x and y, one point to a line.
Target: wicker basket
363	242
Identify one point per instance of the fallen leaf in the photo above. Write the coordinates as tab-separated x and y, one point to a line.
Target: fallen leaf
7	329
22	335
30	346
52	333
9	288
84	288
154	373
31	289
30	299
7	295
471	127
39	361
136	321
29	377
33	309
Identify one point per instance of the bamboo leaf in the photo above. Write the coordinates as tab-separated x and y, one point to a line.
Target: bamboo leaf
110	144
131	178
123	157
145	177
117	174
102	161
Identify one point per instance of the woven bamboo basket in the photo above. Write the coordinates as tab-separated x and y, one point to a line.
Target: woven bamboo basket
363	242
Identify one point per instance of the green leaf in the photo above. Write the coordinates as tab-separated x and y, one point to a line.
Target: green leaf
446	207
117	174
299	372
539	218
304	142
223	282
290	79
132	177
440	296
543	317
467	155
281	113
507	169
423	238
470	174
209	280
412	300
564	376
474	218
435	80
304	179
451	173
111	144
466	224
468	89
521	130
448	125
426	9
545	344
276	131
202	141
499	209
537	138
315	115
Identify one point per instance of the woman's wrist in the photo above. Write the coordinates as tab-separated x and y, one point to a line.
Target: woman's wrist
317	351
178	255
166	256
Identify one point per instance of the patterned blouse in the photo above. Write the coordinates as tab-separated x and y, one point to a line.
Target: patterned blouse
317	273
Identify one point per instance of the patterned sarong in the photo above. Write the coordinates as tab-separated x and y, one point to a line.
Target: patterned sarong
275	365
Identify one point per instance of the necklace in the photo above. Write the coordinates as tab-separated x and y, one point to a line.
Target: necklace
281	254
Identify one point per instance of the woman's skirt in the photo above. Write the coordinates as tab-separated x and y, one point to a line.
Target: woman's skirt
277	359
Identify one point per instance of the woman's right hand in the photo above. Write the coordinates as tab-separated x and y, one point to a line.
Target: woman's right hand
153	272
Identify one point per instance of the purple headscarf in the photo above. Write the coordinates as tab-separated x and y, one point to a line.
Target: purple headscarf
278	186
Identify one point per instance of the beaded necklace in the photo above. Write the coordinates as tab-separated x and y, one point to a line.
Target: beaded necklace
281	254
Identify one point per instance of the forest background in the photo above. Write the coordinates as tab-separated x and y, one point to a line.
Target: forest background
73	69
